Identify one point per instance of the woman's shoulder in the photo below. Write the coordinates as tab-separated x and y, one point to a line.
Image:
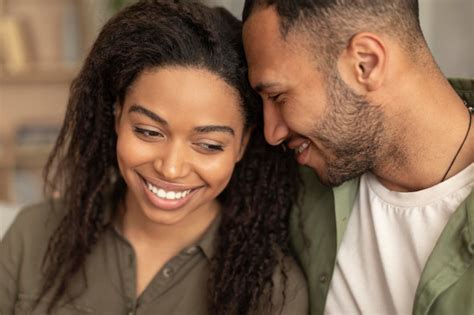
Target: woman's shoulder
33	226
38	218
290	290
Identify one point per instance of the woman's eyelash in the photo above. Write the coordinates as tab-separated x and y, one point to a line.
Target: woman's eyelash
148	133
157	134
212	147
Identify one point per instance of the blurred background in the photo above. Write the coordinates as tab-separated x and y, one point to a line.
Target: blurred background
43	42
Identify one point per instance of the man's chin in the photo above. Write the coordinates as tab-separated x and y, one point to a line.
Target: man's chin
331	177
334	173
329	182
323	177
337	178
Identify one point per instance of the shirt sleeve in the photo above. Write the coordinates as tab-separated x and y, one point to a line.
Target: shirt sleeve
11	249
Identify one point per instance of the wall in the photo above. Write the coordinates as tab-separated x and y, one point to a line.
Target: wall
448	27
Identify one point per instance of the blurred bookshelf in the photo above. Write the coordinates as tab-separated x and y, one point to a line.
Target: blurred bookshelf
42	45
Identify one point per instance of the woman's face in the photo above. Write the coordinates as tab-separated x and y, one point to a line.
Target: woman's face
180	133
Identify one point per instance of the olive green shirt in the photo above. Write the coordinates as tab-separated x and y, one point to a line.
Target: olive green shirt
447	281
180	287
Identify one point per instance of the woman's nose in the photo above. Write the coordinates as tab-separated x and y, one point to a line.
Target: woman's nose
172	162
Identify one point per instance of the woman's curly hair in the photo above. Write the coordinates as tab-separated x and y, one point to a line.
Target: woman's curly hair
253	235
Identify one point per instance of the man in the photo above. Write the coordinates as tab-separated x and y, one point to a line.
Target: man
351	86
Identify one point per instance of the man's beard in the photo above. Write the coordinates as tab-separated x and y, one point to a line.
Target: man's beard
351	131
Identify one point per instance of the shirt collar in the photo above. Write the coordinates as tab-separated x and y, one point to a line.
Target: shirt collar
465	89
469	231
207	242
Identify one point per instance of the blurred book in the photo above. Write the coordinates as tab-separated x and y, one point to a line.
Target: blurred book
33	144
13	55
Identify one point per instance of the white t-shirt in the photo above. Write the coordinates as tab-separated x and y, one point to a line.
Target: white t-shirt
388	240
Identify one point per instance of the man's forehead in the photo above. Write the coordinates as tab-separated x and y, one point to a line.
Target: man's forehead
262	35
263	22
268	53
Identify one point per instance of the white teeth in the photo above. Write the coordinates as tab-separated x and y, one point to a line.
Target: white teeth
169	195
161	193
302	147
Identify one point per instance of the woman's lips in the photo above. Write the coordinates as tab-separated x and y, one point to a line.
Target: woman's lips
168	196
167	185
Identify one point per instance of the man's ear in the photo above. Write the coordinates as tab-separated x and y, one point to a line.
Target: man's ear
245	142
363	62
117	115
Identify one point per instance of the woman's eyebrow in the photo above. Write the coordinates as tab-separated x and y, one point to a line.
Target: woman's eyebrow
201	129
214	128
142	110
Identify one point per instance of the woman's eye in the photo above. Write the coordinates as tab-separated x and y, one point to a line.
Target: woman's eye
211	147
148	133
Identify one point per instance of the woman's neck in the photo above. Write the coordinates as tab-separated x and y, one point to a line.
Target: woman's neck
143	232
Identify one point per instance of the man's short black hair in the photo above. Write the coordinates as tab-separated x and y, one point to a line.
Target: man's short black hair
334	22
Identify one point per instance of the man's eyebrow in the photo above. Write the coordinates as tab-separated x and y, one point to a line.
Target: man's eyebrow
212	128
262	86
142	110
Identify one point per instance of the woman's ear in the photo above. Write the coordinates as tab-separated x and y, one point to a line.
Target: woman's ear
117	115
244	142
363	61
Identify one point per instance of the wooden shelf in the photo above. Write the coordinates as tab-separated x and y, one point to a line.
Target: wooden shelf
49	76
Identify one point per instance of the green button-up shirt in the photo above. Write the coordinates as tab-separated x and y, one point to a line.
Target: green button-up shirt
447	281
180	287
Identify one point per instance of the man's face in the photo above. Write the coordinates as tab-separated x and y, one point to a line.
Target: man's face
332	129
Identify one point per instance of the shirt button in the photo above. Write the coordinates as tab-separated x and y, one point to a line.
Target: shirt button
167	272
471	248
191	250
323	278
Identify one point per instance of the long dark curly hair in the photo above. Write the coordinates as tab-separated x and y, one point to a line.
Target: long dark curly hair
253	235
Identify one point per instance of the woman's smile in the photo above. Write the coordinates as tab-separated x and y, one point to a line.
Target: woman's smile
168	196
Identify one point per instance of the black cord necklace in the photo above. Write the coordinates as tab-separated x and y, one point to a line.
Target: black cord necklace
470	110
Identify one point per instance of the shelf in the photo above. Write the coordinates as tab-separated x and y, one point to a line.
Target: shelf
50	76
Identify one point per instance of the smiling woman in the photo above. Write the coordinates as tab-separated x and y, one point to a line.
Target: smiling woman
170	200
177	150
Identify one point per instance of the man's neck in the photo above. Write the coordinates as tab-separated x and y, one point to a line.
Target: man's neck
427	128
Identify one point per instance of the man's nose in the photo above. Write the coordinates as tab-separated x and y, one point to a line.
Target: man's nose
275	128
